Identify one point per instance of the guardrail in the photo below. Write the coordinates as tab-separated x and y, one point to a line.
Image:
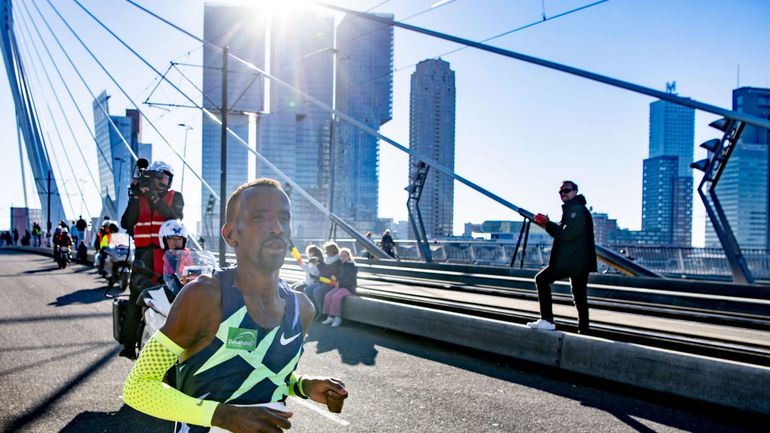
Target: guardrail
679	262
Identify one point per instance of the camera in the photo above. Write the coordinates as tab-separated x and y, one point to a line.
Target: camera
143	179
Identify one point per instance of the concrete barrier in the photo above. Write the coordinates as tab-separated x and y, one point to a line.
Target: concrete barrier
731	384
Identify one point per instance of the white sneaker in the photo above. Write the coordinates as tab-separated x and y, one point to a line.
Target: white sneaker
337	322
328	321
542	325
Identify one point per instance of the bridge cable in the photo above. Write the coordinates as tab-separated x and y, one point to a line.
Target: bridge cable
112	78
69	92
490	38
72	98
61	108
53	119
347	118
691	103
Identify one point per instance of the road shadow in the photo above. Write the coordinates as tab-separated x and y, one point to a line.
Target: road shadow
37	271
353	344
358	343
125	420
84	296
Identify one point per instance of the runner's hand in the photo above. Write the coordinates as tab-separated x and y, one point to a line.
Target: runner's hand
250	419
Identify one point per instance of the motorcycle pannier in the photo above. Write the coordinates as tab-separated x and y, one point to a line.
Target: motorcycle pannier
118	318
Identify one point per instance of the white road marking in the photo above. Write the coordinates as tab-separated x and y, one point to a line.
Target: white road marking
315	408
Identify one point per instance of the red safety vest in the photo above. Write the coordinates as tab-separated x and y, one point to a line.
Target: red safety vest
147	228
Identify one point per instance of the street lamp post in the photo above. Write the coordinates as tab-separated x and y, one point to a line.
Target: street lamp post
120	173
187	128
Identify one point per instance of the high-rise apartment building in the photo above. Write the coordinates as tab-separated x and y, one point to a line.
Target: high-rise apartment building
243	30
365	92
667	178
296	135
432	133
744	188
116	166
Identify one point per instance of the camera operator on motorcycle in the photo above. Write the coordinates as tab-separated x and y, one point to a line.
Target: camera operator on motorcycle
151	203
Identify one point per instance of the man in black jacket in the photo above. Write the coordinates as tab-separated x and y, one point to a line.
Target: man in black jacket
573	255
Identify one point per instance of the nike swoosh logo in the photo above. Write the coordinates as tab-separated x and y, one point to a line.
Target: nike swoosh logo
203	398
285	341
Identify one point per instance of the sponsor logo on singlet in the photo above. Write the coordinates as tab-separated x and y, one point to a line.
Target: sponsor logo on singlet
241	339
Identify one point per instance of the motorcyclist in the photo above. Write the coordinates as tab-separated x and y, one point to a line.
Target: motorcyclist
173	236
63	240
151	203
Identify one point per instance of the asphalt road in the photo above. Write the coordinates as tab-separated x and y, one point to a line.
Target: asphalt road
59	372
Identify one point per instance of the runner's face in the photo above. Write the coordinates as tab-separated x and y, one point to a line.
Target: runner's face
263	227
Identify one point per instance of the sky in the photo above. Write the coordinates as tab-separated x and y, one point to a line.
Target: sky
520	128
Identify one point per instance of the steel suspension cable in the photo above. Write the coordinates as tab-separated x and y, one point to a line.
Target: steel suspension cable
63	113
752	120
344	116
50	114
107	162
112	78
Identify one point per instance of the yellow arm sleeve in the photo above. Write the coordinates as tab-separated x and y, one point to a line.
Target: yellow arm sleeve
145	391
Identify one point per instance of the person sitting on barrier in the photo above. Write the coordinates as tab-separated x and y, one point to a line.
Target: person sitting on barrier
347	286
329	270
573	255
314	257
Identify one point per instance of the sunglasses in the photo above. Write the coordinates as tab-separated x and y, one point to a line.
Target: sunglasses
565	191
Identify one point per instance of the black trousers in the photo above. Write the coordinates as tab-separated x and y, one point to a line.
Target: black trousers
579	283
141	278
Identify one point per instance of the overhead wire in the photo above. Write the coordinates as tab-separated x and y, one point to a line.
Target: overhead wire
491	38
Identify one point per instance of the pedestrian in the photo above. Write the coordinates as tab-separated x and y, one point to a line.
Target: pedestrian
236	337
15	236
81	225
387	243
573	255
347	286
74	233
36	234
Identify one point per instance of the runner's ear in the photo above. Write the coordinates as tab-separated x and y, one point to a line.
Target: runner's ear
227	233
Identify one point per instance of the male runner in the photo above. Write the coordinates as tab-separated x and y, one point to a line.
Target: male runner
237	336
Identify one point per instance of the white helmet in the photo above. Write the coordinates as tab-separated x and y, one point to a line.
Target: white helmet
162	167
64	230
172	228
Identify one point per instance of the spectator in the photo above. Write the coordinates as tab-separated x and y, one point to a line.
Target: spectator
573	255
15	236
387	244
347	286
74	234
329	270
314	257
81	225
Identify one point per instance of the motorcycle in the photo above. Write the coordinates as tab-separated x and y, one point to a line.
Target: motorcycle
179	268
118	256
63	257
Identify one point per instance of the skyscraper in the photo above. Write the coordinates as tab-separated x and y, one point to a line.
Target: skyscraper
242	29
432	133
116	166
667	177
744	187
365	92
296	135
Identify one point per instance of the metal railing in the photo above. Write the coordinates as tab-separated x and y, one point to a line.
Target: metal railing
678	262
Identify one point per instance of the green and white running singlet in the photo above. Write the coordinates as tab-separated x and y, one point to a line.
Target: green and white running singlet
245	363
